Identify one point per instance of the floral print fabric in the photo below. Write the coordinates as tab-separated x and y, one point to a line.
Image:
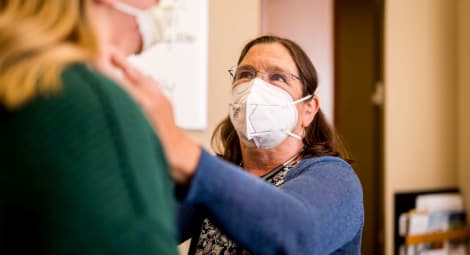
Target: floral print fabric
213	242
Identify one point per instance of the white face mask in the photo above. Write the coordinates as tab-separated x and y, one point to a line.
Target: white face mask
152	22
263	114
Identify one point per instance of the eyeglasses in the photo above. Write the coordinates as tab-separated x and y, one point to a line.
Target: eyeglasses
275	76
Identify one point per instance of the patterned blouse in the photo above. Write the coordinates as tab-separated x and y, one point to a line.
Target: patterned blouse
213	242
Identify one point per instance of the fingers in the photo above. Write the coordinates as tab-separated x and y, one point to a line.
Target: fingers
143	88
133	75
129	72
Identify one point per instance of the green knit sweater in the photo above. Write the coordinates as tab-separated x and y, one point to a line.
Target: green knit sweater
82	172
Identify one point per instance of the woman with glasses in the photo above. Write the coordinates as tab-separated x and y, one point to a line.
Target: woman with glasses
289	188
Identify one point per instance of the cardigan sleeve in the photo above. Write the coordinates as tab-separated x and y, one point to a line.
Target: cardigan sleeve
91	172
317	211
189	220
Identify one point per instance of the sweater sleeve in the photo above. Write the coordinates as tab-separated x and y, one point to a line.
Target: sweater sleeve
315	212
93	178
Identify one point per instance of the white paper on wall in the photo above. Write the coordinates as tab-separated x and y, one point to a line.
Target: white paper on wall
179	63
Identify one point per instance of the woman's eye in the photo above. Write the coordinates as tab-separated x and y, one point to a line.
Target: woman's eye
278	77
244	75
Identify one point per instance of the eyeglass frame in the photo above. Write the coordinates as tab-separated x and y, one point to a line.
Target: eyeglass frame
233	72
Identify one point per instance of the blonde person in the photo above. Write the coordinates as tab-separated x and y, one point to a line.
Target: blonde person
82	171
290	189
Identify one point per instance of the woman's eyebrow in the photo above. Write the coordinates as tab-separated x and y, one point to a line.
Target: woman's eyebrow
279	69
250	67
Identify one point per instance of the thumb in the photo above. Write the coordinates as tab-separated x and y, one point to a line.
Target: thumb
128	71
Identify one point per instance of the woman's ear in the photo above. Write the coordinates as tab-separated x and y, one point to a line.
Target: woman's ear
310	109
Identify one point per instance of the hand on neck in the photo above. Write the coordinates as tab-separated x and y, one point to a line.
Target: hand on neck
104	64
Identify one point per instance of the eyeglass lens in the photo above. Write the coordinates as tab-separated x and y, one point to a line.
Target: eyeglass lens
275	76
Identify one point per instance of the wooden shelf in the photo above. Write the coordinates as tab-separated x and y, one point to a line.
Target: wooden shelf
455	234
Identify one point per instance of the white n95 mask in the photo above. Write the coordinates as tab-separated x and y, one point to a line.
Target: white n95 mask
263	115
152	22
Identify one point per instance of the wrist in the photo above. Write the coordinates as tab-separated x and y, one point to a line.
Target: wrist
184	158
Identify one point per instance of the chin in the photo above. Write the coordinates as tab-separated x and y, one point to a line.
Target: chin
137	48
131	50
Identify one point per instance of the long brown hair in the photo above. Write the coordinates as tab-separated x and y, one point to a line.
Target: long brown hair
320	138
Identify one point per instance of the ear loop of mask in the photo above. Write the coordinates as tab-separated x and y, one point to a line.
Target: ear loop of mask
305	98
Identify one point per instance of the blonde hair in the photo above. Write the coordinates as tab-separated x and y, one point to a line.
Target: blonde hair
39	38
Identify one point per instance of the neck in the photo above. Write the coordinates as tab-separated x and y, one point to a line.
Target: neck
108	46
261	161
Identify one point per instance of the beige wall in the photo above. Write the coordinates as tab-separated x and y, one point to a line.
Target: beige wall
464	97
231	25
420	99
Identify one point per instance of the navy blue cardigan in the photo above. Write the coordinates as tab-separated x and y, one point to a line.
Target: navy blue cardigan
318	210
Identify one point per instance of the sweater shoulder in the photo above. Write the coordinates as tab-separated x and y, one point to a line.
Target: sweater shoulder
325	173
312	166
79	78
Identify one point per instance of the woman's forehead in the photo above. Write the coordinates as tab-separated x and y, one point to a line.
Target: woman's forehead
269	55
